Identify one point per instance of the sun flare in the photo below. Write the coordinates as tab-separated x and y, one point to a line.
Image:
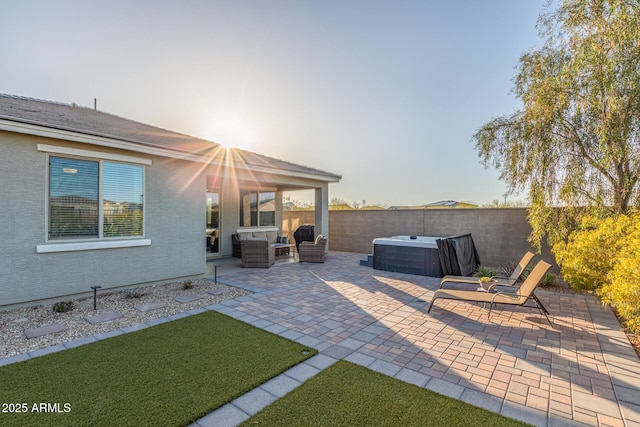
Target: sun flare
231	132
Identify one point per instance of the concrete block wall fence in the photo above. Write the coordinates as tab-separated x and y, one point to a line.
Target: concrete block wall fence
501	234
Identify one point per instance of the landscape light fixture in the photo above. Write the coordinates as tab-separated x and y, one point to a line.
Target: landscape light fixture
95	295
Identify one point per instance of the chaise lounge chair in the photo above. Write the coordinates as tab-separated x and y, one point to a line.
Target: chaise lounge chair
512	280
524	293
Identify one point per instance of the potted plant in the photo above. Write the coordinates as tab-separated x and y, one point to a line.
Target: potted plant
487	284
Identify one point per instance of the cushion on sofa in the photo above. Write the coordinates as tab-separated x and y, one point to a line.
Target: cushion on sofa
272	236
260	234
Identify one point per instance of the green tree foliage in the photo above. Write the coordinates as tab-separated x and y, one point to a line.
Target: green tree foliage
338	204
124	223
575	142
495	203
291	204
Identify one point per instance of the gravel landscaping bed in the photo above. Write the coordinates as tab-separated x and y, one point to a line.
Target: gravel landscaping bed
13	323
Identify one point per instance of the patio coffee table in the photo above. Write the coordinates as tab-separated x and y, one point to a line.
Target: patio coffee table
285	249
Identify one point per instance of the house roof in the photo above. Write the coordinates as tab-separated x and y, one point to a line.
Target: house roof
448	204
440	204
88	121
443	203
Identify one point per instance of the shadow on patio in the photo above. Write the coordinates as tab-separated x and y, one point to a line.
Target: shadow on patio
580	369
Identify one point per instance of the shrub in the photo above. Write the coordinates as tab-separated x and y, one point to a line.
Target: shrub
131	293
602	255
187	284
589	255
548	280
63	306
506	269
622	291
485	272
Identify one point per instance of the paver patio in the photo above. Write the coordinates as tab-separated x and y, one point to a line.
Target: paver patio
580	370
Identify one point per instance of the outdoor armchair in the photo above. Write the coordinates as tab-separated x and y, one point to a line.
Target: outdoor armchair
257	253
512	280
520	298
313	251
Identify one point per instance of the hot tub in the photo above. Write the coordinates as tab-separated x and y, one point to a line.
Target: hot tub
407	254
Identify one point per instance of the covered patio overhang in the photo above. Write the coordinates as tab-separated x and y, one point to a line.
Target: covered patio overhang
235	173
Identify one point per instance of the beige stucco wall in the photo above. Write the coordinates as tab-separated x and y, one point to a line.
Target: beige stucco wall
500	235
291	220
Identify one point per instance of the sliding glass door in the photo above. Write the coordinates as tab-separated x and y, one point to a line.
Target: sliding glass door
213	223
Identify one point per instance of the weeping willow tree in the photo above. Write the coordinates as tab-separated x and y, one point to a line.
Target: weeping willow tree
575	143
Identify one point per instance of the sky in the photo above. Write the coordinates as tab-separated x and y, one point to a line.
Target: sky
387	94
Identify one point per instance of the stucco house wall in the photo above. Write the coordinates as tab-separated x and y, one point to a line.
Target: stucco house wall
173	222
179	170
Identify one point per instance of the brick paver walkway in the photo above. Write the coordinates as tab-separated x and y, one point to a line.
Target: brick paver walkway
580	370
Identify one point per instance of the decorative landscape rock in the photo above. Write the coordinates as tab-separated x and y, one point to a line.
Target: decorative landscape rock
103	317
187	298
150	306
45	330
14	324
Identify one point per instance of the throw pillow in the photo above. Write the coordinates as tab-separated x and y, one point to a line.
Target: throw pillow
272	236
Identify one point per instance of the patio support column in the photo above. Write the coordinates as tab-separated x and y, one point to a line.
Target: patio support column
230	213
278	215
322	211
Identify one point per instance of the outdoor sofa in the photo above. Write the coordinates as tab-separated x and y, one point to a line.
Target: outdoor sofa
271	234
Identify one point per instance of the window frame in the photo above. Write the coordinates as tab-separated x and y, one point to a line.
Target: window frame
258	211
94	187
100	242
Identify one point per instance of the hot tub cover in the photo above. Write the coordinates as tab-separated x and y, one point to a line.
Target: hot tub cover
458	255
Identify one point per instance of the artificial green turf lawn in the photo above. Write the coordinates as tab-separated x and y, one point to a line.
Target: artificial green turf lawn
170	374
350	395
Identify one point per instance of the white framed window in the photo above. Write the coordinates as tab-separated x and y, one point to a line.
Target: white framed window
258	209
91	198
74	193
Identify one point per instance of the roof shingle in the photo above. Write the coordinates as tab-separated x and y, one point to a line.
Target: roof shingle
83	120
